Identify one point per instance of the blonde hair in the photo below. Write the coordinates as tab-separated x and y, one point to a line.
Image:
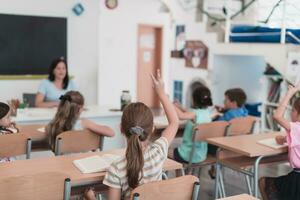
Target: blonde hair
137	125
66	116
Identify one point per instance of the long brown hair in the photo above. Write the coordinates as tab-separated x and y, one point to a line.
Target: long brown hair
136	125
66	115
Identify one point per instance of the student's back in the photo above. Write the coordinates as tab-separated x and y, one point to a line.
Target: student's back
66	118
143	159
202	100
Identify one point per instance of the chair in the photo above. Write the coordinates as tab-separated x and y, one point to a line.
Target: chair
202	132
14	145
241	126
46	186
29	98
78	141
181	188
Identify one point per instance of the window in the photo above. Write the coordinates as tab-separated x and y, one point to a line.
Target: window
178	87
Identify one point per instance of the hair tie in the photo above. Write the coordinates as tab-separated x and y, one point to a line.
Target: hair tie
136	130
65	98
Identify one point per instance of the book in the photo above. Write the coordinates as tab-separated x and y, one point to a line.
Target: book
96	163
271	142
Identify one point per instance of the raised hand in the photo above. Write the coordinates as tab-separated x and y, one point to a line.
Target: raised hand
158	83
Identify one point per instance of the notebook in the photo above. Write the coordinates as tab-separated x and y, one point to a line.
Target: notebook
94	164
271	142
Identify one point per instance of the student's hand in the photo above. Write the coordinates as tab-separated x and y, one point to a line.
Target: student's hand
280	139
293	89
158	83
215	115
220	109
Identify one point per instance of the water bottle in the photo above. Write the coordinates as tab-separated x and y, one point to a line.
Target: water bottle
125	99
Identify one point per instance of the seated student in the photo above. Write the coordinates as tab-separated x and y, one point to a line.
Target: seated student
200	114
286	187
6	126
234	100
68	112
143	160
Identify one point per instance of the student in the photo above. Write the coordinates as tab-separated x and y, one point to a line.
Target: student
57	84
286	187
68	112
200	114
144	159
6	126
234	101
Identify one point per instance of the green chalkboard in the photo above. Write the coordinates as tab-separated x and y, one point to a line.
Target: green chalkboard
28	44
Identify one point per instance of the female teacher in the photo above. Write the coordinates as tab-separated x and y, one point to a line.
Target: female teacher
57	84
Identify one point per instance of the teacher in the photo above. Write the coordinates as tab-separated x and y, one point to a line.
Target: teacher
57	84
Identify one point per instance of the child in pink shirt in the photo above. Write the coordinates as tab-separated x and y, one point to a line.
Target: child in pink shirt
286	187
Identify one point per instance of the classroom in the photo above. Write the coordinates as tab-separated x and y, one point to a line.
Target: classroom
150	99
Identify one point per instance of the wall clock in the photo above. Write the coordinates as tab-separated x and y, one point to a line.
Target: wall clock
111	4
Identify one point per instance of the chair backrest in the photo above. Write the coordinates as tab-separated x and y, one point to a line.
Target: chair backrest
181	188
77	141
241	126
15	144
210	130
46	186
29	98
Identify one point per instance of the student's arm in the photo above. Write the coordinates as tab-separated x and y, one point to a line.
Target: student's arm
178	105
97	128
170	132
114	193
39	101
184	115
279	113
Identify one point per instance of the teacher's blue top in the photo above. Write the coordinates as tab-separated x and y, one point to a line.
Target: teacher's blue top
51	92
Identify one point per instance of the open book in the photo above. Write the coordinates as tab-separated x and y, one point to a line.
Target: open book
271	142
94	164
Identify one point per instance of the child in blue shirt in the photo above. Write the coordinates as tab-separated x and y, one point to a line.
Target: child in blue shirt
233	105
234	101
199	114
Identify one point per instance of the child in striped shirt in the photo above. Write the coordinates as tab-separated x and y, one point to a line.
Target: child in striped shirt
143	160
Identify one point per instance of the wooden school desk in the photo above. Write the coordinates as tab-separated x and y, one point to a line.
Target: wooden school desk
64	164
240	197
251	153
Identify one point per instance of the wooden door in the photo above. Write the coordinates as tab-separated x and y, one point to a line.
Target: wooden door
149	60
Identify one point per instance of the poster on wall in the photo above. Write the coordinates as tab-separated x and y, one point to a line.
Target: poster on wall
293	67
195	54
180	37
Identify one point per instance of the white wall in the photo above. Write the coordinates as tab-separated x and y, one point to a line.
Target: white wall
238	71
118	47
82	43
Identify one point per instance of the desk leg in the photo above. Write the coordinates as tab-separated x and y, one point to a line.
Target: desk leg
217	166
256	166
